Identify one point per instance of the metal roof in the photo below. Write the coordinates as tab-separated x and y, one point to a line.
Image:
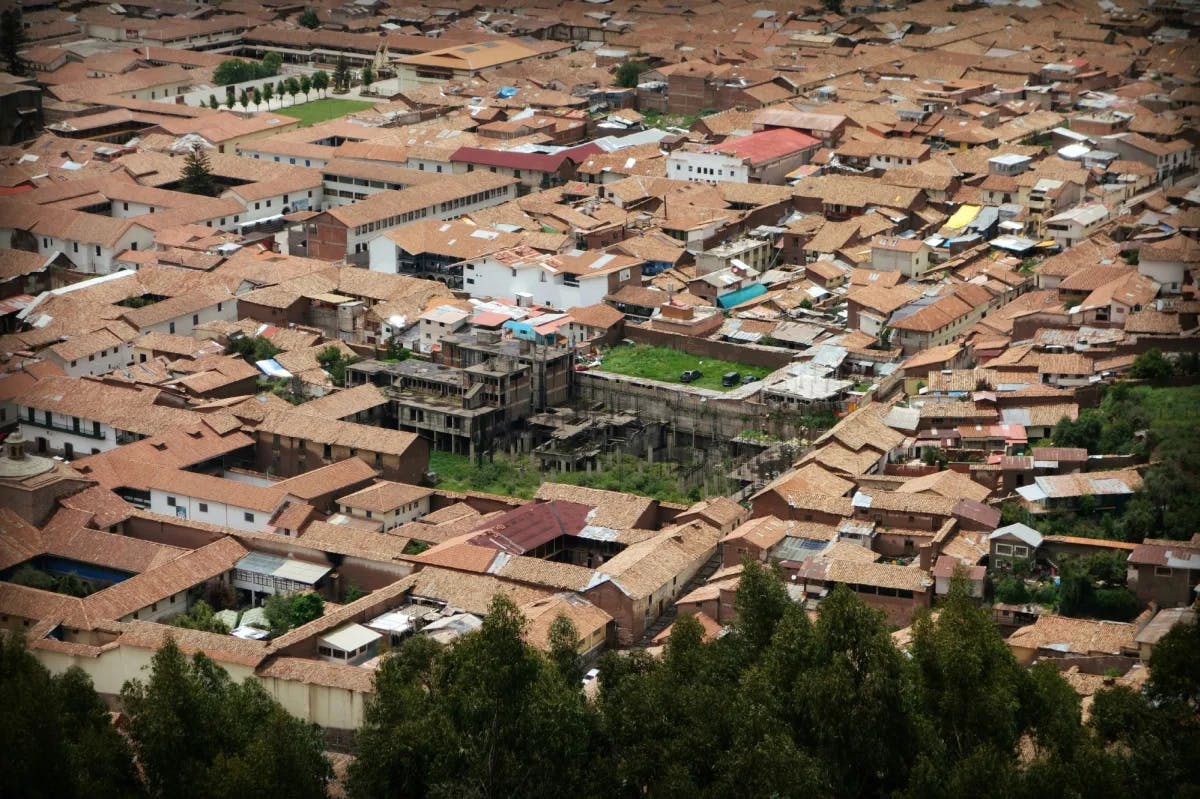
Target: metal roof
283	568
350	638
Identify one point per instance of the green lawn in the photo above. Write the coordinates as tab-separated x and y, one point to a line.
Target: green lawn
320	110
665	364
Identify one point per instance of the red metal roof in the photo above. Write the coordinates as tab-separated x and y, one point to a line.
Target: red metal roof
510	159
765	145
528	527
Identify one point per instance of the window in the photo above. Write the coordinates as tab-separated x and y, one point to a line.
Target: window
195	319
171	501
248	516
171	327
1003	549
328	453
204	507
97	250
1020	551
1162	571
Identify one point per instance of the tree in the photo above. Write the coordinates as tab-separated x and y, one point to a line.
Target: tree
564	650
334	361
487	717
628	72
268	92
396	351
320	80
271	64
12	40
258	98
280	91
368	75
212	102
253	348
341	75
306	608
285	611
305	86
201	617
761	604
198	734
1152	365
197	174
230	97
56	733
293	88
244	100
309	19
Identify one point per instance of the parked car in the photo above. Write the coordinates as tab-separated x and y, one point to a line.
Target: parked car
748	379
691	375
730	379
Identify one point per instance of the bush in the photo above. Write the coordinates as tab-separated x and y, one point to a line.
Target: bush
1152	366
627	74
235	70
1012	591
1117	604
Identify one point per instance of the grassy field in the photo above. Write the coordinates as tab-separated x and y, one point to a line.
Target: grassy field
321	110
519	477
665	364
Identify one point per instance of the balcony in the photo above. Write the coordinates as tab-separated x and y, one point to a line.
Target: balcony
62	428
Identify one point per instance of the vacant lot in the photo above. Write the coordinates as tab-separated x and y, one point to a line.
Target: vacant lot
665	364
321	110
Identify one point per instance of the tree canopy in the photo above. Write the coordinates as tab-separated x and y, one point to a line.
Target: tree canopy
236	70
781	705
197	733
197	173
12	40
627	74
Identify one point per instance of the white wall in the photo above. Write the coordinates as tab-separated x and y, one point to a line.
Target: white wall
225	310
1168	274
383	255
402	515
261	153
490	278
216	513
93	258
684	165
99	363
58	438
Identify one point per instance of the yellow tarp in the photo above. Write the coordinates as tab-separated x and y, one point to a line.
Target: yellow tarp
964	216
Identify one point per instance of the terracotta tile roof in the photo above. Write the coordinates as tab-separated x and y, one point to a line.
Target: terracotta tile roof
946	483
1075	636
384	496
614	509
319	672
340	476
306	427
219	647
643	568
542	613
471	592
162	582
